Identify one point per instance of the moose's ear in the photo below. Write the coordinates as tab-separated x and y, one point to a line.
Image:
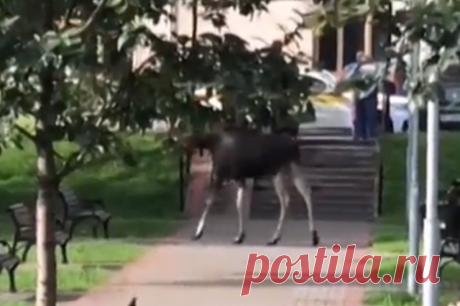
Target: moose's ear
133	302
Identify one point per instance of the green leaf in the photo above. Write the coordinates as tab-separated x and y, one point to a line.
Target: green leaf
114	3
8	22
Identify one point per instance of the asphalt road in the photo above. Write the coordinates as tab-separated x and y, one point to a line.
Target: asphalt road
330	116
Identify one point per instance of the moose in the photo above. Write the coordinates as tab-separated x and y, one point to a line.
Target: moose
240	154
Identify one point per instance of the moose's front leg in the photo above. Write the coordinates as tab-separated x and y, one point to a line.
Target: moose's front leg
242	202
207	205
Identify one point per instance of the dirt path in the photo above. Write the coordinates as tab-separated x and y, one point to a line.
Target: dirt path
210	272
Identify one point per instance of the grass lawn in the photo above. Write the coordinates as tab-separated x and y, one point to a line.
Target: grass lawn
143	200
390	238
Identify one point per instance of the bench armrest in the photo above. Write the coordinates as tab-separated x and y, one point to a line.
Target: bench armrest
446	252
449	240
60	224
7	246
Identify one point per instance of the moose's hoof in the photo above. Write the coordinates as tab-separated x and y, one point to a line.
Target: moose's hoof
198	235
274	241
315	238
239	239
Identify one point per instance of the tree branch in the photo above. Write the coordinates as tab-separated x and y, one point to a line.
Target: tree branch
26	133
143	64
73	162
68	15
33	138
91	18
126	81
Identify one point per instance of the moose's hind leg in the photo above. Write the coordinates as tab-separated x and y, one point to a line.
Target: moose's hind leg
305	191
241	195
283	197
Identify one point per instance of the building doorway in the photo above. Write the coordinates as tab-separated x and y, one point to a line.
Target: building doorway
327	51
353	34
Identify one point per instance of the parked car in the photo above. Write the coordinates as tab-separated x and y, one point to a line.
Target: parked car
327	81
331	109
323	88
399	112
449	104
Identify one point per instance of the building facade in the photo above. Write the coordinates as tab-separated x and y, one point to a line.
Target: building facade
331	50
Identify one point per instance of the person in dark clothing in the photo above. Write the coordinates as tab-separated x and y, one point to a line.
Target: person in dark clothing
365	105
366	118
387	89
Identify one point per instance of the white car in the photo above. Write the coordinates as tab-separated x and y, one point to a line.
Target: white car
399	112
332	110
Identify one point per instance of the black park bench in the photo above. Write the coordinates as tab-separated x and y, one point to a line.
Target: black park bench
8	262
449	216
24	232
450	234
77	210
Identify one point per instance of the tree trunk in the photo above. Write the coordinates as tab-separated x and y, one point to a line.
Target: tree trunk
47	184
175	11
46	258
47	181
47	196
194	23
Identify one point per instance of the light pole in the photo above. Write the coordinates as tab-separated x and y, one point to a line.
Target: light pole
431	237
431	222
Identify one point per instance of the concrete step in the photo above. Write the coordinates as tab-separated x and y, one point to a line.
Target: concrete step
324	131
305	141
319	183
322	178
337	162
321	192
339	144
341	172
338	172
333	200
320	212
340	151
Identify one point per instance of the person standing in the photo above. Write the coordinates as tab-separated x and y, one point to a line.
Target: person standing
365	105
387	89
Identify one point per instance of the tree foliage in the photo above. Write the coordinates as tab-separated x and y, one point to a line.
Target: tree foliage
53	72
436	25
247	82
66	66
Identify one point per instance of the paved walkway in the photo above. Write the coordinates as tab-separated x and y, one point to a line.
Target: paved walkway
180	272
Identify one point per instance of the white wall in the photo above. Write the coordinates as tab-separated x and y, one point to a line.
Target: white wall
260	30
